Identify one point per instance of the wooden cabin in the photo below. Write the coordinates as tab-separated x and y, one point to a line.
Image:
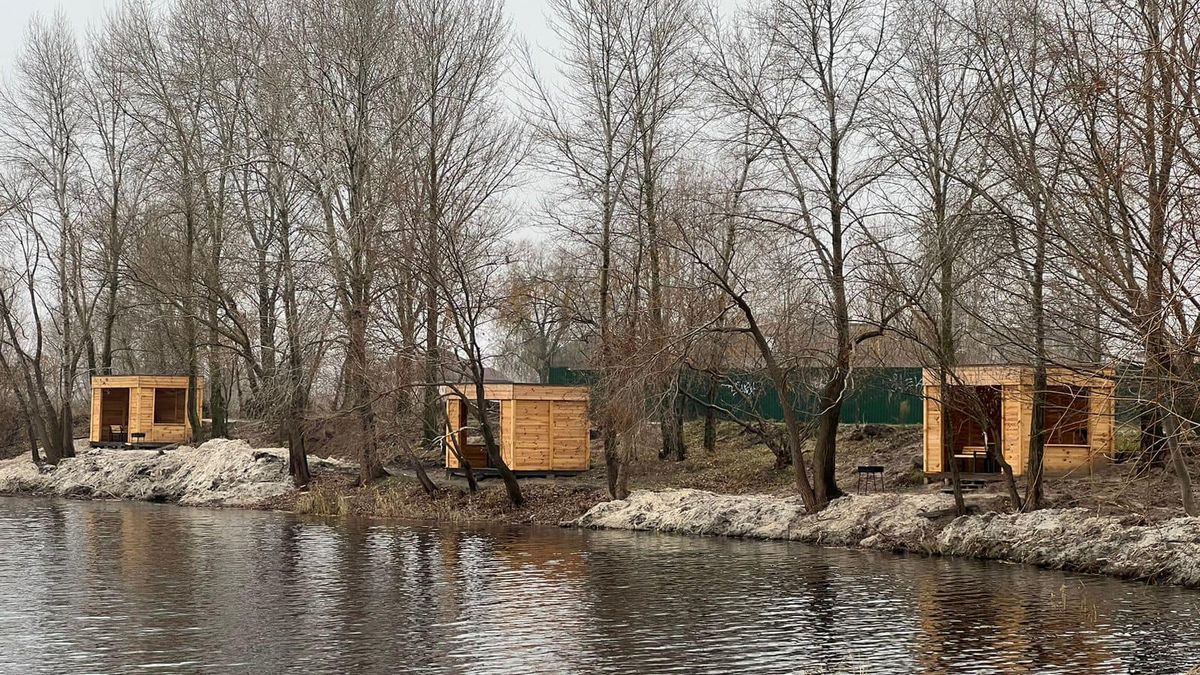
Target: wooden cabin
991	407
542	428
142	410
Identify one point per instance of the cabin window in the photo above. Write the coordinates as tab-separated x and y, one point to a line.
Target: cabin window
170	406
492	412
1067	410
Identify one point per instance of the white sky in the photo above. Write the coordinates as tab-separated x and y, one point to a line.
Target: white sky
14	15
528	18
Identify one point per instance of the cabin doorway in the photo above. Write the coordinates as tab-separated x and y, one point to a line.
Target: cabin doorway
114	415
474	448
975	425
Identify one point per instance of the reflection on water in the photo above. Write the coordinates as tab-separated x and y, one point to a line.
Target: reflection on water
116	587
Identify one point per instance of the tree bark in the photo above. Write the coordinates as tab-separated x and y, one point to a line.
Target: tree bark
825	446
710	415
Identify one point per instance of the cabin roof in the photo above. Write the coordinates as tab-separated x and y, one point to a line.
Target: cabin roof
1022	373
136	381
522	391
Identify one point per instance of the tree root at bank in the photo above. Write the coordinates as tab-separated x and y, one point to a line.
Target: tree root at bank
1068	539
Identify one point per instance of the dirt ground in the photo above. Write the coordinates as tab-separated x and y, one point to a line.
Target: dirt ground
737	466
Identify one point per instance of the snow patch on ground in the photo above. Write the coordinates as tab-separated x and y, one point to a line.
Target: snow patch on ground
1070	539
221	472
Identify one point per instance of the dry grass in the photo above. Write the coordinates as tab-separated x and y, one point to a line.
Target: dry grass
1140	494
738	466
402	497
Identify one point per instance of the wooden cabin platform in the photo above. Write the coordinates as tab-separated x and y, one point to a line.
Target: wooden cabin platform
143	411
490	472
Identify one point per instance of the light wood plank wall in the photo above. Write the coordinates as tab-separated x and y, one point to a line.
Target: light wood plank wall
1016	385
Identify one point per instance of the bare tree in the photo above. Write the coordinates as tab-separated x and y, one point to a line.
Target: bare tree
587	136
928	120
1132	142
1016	45
659	39
351	62
474	257
538	316
44	116
807	92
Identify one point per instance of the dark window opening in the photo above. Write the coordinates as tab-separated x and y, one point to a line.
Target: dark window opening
1067	411
492	414
114	415
170	406
473	445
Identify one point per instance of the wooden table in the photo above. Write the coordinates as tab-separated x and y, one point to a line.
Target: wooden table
972	453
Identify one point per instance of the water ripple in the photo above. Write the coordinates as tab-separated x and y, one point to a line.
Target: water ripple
115	587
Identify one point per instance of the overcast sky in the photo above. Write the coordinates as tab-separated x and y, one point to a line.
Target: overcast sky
14	15
528	18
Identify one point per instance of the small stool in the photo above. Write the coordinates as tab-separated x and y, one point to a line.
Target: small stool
868	474
136	438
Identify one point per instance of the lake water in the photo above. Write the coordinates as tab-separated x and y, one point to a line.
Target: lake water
118	587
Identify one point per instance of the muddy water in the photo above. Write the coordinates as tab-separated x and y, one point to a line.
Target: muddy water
119	587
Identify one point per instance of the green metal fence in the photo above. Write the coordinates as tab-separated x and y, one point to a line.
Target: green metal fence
875	395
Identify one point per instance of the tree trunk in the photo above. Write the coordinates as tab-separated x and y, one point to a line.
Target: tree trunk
431	414
112	281
68	429
369	466
1179	463
297	454
1037	422
33	443
511	486
217	406
423	478
825	447
613	465
1151	438
671	423
710	415
949	404
1037	442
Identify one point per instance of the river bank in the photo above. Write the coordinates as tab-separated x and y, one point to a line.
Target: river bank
232	473
1076	540
221	472
906	517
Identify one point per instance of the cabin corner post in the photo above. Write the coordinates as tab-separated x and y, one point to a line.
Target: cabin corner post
932	451
94	422
1102	421
1013	440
